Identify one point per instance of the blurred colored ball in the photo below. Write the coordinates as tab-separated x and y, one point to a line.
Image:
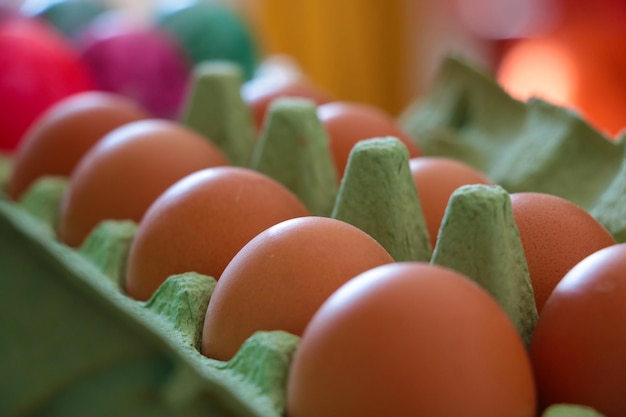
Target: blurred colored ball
139	61
37	68
70	17
212	31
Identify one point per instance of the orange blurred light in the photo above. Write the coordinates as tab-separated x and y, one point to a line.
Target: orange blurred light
542	68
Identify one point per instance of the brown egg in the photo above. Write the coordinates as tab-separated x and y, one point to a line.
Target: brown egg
201	222
556	235
349	122
60	137
436	178
127	170
282	276
579	342
410	339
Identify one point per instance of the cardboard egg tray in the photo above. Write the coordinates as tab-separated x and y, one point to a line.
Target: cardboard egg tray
522	146
74	345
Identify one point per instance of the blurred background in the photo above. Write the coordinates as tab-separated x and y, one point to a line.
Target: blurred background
571	52
385	52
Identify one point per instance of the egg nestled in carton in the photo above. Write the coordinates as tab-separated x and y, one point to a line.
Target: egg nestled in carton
75	344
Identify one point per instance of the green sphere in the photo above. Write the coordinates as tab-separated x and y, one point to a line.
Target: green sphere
70	17
212	31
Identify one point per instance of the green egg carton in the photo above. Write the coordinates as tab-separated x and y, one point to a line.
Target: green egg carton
75	345
522	146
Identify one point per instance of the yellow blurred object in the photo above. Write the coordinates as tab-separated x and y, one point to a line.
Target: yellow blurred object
357	49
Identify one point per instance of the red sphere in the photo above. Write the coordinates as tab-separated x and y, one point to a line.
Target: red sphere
38	67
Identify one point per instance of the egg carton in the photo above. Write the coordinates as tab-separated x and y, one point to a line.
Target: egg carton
522	146
75	344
